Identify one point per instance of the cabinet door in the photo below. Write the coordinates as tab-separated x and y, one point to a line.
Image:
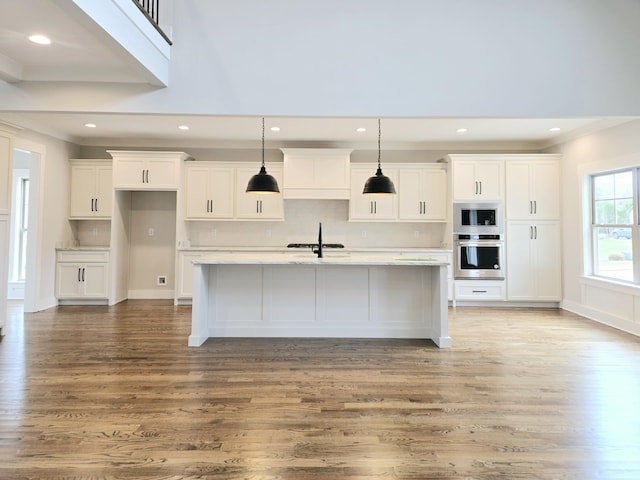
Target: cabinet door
185	274
423	194
490	176
197	201
533	261
94	278
129	173
103	191
465	186
478	180
258	206
82	191
520	268
221	190
547	261
371	207
518	177
545	190
68	280
162	173
533	190
434	192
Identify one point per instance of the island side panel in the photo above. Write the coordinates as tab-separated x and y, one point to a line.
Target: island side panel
400	302
439	307
200	307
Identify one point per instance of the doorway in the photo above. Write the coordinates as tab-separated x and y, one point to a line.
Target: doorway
25	228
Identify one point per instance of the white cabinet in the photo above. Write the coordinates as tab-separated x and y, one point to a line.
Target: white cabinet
316	173
209	191
91	189
533	189
146	170
480	290
82	275
184	289
533	261
258	206
4	259
422	193
480	178
371	207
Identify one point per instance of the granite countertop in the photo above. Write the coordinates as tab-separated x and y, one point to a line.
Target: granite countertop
83	249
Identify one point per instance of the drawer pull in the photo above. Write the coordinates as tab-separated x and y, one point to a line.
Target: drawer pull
478	291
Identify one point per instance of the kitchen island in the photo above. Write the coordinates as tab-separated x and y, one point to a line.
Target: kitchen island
300	295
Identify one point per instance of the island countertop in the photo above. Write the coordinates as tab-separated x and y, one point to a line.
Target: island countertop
308	258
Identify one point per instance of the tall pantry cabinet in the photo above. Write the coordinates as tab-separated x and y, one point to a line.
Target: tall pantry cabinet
533	240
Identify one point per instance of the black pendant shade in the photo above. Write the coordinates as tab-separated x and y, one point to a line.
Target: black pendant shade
379	184
262	182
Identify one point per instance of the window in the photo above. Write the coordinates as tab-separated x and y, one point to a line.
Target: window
614	224
23	219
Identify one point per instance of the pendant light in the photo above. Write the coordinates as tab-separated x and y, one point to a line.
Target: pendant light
379	184
262	182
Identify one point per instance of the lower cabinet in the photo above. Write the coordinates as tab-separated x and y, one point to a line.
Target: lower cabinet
184	285
480	290
533	261
82	275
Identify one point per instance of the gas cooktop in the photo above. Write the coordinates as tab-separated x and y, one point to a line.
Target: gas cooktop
315	245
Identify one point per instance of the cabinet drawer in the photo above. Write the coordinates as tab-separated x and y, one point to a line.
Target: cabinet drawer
82	256
483	290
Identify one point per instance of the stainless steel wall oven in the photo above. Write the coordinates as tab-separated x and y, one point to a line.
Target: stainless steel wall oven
479	257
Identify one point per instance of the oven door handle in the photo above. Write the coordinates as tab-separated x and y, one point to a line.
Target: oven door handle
479	244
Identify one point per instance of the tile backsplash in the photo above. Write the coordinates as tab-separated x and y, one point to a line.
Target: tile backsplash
301	226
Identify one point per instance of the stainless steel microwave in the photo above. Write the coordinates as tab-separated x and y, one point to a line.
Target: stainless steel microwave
478	218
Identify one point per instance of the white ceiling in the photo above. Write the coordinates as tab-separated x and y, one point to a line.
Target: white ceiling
81	52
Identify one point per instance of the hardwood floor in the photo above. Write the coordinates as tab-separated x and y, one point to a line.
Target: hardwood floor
115	393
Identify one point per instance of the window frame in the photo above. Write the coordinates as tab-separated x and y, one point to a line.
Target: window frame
634	226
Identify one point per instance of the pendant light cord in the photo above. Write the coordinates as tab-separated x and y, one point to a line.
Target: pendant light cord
263	142
379	135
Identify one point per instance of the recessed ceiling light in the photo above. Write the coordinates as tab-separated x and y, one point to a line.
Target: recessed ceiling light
90	125
183	127
361	129
275	129
462	130
40	39
554	129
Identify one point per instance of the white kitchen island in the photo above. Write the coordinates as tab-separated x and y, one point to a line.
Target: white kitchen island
300	295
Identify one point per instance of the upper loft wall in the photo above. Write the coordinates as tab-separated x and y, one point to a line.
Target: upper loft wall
460	58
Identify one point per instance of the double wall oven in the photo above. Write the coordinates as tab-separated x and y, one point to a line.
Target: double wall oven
479	241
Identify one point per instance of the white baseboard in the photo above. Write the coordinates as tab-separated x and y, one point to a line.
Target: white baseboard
151	294
604	318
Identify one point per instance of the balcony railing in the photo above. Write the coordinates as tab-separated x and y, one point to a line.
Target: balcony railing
151	9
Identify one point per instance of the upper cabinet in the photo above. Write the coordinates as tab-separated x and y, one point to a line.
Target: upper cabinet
371	207
91	189
258	206
477	178
422	193
209	191
316	173
533	188
140	170
217	191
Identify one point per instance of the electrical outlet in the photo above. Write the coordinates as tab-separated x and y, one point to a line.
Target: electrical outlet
416	234
268	232
364	233
94	231
162	280
151	232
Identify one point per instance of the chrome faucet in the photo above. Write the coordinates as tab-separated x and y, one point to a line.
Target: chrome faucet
319	250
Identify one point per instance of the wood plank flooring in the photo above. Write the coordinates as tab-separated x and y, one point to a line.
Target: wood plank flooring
115	393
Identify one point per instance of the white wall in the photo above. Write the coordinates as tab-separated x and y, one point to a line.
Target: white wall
607	302
505	58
